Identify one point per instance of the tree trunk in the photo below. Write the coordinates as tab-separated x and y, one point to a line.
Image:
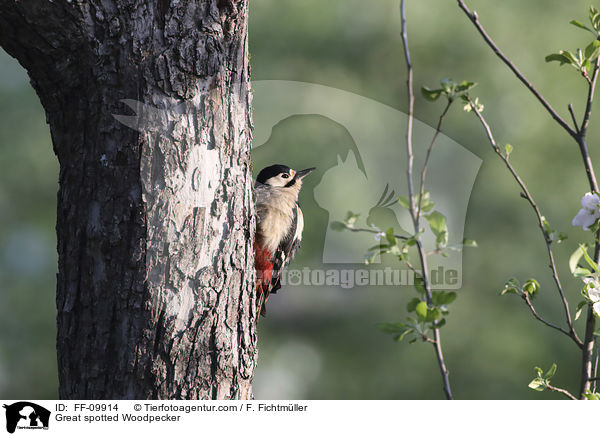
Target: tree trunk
155	224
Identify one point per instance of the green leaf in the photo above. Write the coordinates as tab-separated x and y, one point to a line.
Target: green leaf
404	202
448	85
391	327
442	240
579	309
508	149
419	285
512	286
558	57
399	337
395	250
426	203
411	242
398	329
338	226
574	259
412	304
449	297
509	290
370	257
437	222
595	227
591	396
513	282
531	286
439	298
551	372
431	94
469	243
538	371
537	384
441	323
421	310
389	236
595	18
581	272
433	314
588	259
547	227
581	26
592	50
351	217
465	86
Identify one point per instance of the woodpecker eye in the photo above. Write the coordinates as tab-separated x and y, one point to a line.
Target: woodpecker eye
285	176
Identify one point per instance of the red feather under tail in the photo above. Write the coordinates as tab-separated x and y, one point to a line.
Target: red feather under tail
263	264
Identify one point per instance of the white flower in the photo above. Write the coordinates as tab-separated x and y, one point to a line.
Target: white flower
593	289
593	293
589	212
590	201
586	218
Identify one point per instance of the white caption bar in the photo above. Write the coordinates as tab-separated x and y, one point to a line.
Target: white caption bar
263	418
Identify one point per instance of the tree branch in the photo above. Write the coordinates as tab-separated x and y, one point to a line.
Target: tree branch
429	149
413	209
475	20
573	118
594	377
527	300
525	194
411	108
590	100
579	135
364	230
590	325
562	391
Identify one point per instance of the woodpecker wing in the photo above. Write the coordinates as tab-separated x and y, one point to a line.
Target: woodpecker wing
287	248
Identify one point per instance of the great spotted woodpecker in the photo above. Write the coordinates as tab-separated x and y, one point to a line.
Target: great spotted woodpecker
279	227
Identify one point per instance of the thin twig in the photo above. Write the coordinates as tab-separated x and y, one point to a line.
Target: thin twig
581	135
475	20
562	391
413	210
411	108
594	377
525	194
587	353
364	230
590	99
574	118
427	339
527	299
429	149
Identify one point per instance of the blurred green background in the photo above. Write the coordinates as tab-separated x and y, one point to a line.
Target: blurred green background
322	343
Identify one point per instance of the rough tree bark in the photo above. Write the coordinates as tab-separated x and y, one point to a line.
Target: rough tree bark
155	279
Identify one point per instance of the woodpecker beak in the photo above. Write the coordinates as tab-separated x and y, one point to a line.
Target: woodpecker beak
301	174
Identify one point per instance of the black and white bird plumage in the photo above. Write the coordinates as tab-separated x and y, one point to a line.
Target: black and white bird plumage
280	223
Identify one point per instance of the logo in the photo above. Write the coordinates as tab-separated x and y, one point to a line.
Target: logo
26	415
359	148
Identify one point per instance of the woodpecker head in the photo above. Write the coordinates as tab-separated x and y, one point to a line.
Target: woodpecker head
281	176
